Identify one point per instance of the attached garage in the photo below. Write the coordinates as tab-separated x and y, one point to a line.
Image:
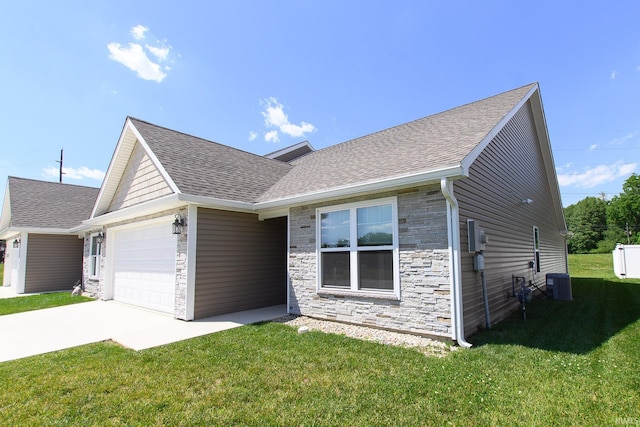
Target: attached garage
144	265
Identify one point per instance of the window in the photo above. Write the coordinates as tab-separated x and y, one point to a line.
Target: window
536	248
94	256
357	249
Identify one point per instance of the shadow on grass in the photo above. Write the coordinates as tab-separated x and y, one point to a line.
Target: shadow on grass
600	309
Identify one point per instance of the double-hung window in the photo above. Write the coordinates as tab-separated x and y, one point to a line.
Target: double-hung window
94	256
358	247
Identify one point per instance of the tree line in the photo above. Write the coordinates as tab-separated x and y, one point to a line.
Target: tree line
596	225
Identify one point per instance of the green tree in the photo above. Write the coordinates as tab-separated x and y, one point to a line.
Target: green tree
587	223
623	213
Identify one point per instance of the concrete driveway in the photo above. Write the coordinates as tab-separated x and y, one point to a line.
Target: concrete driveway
52	329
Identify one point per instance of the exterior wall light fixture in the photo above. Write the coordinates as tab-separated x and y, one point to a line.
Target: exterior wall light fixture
16	243
176	227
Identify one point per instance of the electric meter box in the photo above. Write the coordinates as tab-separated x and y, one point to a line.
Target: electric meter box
476	236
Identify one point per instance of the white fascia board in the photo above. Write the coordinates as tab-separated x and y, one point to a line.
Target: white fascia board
547	156
119	161
273	213
83	228
269	209
215	203
124	147
451	172
11	231
473	155
167	202
5	218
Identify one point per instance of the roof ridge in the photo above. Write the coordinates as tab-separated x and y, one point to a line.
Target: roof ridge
203	139
420	119
51	182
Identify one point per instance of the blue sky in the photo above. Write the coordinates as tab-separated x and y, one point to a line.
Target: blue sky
262	75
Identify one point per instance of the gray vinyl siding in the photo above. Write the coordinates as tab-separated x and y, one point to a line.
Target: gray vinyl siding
54	262
240	263
508	171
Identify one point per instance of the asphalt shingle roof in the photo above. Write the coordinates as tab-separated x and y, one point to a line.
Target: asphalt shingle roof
44	204
420	146
205	168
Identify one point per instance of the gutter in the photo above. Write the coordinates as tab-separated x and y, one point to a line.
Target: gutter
11	231
453	226
348	190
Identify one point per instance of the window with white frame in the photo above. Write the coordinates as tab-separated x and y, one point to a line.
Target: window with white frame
94	256
358	246
536	248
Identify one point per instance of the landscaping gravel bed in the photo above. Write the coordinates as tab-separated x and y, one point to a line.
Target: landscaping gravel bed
427	346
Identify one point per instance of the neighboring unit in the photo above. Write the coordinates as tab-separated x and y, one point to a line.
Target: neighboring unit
42	253
373	231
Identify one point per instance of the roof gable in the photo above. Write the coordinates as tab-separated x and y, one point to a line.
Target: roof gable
189	165
129	137
141	181
45	204
204	168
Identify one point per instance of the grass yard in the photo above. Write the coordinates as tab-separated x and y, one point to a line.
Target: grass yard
38	302
569	363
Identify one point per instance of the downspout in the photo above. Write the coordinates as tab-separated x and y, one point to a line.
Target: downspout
453	233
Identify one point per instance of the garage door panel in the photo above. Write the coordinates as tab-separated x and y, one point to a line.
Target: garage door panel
144	267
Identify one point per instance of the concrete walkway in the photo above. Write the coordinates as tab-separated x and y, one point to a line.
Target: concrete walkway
52	329
9	292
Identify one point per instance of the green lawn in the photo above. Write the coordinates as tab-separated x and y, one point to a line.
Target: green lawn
569	363
38	302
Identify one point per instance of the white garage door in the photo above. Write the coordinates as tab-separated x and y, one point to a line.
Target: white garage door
144	266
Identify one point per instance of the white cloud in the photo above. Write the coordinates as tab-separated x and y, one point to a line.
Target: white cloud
625	138
272	136
275	117
593	146
253	135
614	74
71	173
596	175
138	32
162	53
297	130
135	58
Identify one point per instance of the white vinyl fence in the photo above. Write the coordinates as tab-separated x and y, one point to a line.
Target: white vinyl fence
626	261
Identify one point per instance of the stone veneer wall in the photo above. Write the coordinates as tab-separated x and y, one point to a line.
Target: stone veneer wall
424	306
95	287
